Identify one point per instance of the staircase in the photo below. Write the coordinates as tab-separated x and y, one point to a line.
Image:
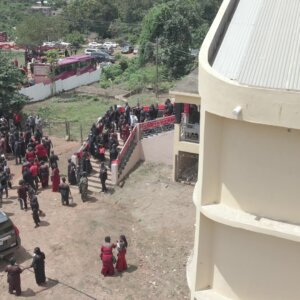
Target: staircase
94	180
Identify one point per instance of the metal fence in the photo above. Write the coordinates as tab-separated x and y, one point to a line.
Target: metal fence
71	130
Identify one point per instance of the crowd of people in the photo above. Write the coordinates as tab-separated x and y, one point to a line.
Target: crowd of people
39	164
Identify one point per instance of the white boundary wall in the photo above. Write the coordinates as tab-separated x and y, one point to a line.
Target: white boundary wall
42	91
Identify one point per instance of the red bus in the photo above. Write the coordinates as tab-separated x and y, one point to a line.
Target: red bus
65	68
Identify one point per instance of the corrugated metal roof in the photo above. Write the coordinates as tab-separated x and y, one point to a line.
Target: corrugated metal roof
261	46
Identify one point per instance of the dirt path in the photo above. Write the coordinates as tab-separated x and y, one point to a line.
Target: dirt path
155	214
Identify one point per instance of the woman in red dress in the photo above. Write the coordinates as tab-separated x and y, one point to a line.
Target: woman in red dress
55	178
121	247
106	256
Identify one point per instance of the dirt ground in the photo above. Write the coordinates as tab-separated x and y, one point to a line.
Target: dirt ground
156	215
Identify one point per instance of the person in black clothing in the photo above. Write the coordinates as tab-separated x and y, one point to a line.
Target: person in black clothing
35	210
103	177
72	172
17	152
65	192
3	182
22	194
28	178
47	144
38	265
53	159
142	115
113	154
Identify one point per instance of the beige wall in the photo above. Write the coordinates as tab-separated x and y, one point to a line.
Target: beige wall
251	164
252	266
158	148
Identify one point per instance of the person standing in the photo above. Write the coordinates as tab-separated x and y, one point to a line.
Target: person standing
72	172
83	186
14	277
53	159
55	178
122	244
38	265
22	194
34	170
107	257
35	211
103	177
65	192
44	174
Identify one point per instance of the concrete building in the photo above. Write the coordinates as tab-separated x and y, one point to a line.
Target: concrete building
187	128
247	198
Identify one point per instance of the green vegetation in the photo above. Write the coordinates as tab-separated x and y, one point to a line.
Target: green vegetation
131	76
78	109
10	80
166	31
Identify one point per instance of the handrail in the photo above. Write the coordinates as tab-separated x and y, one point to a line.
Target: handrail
157	123
126	145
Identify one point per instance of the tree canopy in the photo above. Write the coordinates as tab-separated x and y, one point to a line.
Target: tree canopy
10	81
178	26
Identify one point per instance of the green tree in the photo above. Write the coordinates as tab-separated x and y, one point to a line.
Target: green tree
11	80
90	15
178	26
38	28
75	38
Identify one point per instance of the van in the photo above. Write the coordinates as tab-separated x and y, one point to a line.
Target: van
9	236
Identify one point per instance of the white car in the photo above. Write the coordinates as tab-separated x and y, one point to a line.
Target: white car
65	44
88	51
110	44
49	44
94	44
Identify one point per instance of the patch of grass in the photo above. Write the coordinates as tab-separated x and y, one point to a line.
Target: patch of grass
79	109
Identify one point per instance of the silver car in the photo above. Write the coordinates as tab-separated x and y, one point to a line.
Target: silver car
9	236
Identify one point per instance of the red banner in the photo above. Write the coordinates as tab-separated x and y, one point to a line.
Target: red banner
157	123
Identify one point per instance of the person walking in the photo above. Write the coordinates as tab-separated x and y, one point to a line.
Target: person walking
55	178
72	172
53	159
107	257
65	192
122	244
44	174
103	177
35	211
22	194
38	265
13	277
83	186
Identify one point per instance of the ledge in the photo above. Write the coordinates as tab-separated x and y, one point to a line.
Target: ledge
237	218
209	295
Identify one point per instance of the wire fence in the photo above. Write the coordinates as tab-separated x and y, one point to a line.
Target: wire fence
70	130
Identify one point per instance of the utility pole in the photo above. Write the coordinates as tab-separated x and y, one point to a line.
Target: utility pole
156	67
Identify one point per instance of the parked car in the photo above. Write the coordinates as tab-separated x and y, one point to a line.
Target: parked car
126	49
135	51
94	45
88	51
103	57
108	49
9	236
110	44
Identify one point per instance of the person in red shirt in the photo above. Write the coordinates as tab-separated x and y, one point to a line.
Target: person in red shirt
41	152
30	155
17	120
34	172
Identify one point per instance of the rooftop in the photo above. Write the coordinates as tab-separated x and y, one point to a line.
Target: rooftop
261	46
